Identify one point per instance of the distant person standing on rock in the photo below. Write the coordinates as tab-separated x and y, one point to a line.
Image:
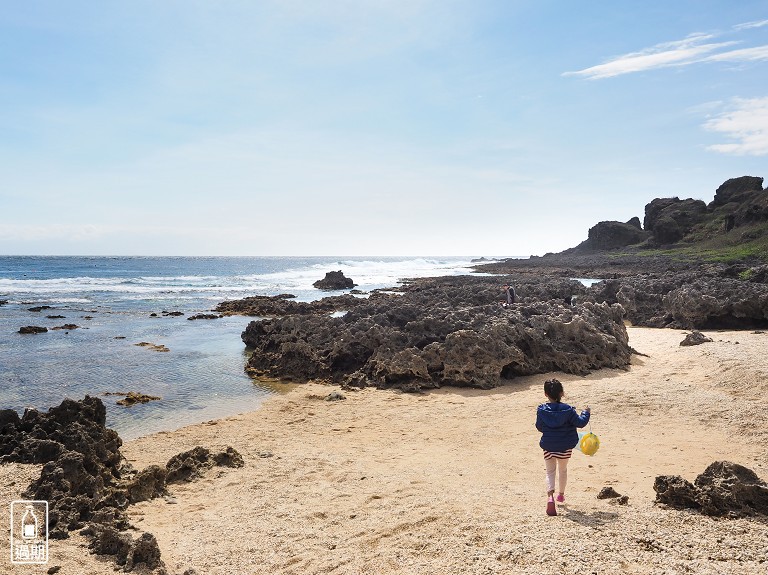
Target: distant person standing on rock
511	295
557	422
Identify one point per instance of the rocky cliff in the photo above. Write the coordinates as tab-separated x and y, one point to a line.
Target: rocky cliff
739	208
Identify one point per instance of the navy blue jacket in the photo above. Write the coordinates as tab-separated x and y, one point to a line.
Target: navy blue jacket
557	423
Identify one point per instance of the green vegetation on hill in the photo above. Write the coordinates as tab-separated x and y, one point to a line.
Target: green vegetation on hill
732	228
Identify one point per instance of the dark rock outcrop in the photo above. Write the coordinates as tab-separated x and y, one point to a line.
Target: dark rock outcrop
127	551
334	281
610	235
734	189
708	298
695	338
32	329
85	480
81	457
669	219
723	489
445	331
134	397
147	484
280	305
66	326
194	463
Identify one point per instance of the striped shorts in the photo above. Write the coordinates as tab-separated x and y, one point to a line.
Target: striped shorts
558	454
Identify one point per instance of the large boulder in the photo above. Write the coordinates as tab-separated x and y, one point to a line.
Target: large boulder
734	189
669	219
611	235
334	281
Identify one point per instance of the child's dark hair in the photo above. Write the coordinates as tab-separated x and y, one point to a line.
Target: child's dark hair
554	390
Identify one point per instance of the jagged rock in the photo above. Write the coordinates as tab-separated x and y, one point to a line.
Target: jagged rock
39	308
128	552
204	316
669	219
152	346
84	478
269	306
443	331
82	463
134	397
33	329
704	299
194	463
75	425
695	338
67	326
334	281
144	550
611	235
735	187
608	492
148	484
723	489
76	489
753	208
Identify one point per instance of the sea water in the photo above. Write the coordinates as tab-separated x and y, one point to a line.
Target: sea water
112	299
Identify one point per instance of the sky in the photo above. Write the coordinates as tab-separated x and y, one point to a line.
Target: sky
367	127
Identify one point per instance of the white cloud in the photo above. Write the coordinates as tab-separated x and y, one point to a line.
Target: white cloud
748	25
678	53
691	50
743	55
746	123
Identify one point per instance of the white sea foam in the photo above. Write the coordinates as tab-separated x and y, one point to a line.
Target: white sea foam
367	274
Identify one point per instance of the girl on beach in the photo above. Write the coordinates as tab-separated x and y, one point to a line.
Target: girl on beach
557	422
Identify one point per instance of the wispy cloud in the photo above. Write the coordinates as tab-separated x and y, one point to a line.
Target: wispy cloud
749	25
693	49
743	55
746	122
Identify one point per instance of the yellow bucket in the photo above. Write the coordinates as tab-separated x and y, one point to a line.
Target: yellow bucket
589	443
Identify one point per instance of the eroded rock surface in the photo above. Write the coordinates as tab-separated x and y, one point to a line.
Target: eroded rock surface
723	489
712	297
85	480
280	305
444	331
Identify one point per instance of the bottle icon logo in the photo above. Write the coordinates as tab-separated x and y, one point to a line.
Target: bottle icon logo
29	523
29	532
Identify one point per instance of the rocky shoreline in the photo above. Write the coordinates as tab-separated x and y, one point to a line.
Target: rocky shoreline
87	482
454	331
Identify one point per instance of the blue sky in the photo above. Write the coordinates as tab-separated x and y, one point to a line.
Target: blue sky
414	127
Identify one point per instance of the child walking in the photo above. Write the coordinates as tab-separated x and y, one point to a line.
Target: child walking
557	422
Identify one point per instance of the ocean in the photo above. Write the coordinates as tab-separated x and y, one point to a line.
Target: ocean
112	299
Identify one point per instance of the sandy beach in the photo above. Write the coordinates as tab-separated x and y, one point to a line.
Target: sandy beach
452	481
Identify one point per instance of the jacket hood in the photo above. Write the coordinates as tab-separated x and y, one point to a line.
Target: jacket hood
555	414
